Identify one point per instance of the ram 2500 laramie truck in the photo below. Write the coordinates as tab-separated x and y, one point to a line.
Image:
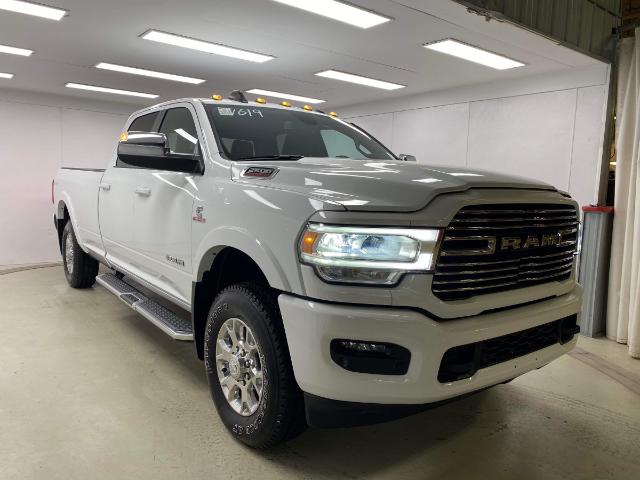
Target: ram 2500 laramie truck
322	279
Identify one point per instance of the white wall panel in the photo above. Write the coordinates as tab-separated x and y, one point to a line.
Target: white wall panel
29	158
380	126
530	136
545	127
436	136
89	138
39	133
587	144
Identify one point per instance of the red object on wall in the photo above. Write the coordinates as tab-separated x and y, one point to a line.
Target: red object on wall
593	208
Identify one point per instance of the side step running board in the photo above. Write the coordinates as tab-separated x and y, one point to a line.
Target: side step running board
163	318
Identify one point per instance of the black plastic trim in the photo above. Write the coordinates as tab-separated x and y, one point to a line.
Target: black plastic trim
326	413
84	169
394	360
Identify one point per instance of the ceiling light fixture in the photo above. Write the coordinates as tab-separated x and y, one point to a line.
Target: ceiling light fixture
34	9
15	50
207	47
148	73
6	75
350	77
288	96
473	54
340	11
95	88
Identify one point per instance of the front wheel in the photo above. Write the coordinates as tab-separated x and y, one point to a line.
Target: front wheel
79	268
249	368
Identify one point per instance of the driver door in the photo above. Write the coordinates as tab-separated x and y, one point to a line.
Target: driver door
116	204
163	205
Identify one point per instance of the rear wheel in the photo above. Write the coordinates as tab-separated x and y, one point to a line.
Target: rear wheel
249	368
79	268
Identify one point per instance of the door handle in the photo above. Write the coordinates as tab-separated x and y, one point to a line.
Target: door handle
105	186
143	191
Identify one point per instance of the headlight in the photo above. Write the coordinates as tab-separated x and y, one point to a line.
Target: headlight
367	255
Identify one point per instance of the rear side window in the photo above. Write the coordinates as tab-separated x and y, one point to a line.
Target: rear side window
143	123
180	129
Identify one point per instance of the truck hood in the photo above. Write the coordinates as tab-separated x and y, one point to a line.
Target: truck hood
378	185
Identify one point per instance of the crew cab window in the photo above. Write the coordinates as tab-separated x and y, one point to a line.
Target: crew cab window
144	123
250	131
180	129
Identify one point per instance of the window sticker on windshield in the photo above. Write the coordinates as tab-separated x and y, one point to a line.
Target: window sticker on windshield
240	112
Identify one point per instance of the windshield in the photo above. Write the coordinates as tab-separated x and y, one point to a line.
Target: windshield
258	132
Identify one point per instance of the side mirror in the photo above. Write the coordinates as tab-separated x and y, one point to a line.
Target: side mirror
151	150
407	158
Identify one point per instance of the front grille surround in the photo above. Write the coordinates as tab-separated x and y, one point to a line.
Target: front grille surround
493	248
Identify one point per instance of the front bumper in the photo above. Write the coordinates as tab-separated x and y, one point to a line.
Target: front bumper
310	326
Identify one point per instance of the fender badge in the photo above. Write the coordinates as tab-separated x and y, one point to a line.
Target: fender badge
198	217
259	172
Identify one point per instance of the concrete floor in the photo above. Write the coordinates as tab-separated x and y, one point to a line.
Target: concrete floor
91	390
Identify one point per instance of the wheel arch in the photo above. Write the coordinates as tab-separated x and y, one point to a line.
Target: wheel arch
219	267
62	217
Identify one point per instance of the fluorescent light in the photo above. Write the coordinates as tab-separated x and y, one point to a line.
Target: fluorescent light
473	54
193	44
95	88
148	73
15	50
339	11
350	77
288	96
6	75
34	9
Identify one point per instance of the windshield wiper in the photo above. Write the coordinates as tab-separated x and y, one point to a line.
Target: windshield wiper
272	157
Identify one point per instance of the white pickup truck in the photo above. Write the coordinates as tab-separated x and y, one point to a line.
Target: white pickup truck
323	280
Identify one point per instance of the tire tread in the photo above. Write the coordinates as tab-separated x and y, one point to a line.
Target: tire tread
85	268
290	420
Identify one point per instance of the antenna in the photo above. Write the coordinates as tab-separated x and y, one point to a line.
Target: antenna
238	96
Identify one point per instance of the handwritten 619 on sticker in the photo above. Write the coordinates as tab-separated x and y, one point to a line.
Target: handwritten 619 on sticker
240	112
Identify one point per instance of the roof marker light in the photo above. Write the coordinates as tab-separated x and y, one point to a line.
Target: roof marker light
216	97
308	108
260	100
285	104
333	114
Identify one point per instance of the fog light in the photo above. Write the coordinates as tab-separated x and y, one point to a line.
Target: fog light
370	357
364	347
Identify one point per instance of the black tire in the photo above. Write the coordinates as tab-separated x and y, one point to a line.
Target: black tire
280	412
79	268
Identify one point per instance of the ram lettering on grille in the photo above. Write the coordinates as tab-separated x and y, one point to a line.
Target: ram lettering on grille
491	248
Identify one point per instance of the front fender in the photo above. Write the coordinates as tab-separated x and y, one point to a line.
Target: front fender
243	240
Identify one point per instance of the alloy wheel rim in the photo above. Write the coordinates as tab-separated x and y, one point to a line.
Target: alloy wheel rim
68	253
239	367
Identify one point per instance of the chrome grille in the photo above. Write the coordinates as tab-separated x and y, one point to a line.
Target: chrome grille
491	248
